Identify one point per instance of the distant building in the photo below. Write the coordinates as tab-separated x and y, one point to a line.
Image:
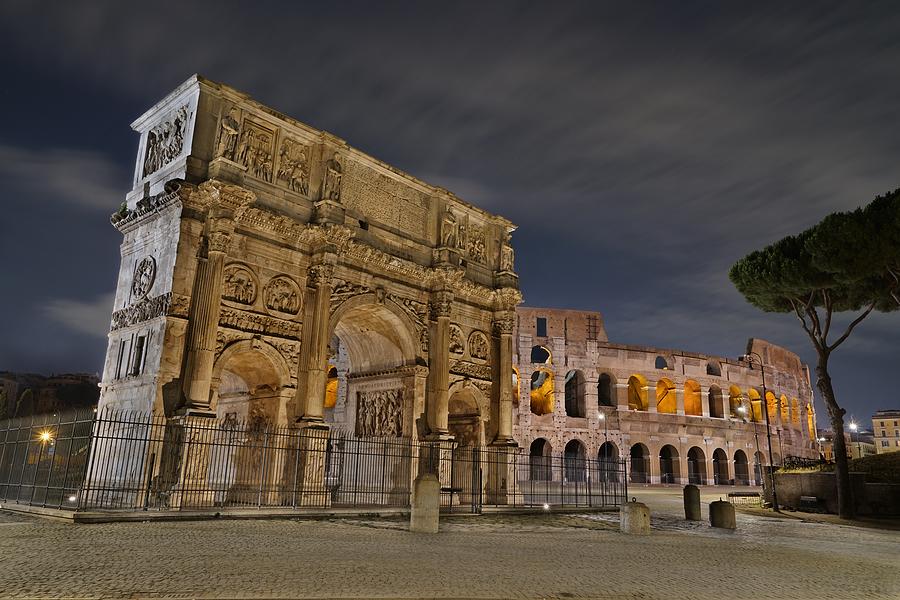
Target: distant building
859	444
886	430
26	394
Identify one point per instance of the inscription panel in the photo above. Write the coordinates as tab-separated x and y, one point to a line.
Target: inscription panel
383	200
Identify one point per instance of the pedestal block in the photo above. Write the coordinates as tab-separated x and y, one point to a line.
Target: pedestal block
426	504
692	503
634	518
721	514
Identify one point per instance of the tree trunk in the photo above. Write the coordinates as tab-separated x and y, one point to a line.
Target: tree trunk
836	414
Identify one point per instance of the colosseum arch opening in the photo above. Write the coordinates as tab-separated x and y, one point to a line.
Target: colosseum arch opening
669	469
696	460
606	387
715	402
640	463
666	401
637	393
720	467
608	457
693	403
574	392
540	454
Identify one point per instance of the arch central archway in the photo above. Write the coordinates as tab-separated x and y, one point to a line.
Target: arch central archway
372	346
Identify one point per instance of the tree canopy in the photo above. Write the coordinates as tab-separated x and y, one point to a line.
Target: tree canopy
849	261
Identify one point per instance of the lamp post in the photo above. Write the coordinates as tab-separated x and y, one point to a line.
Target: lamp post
749	357
821	441
854	428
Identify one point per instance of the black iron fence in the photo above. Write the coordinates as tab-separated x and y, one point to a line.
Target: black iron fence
121	460
43	458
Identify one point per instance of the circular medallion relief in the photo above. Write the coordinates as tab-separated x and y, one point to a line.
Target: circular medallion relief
239	284
478	346
282	295
144	274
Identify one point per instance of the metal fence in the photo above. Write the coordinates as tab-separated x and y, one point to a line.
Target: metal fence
43	458
121	460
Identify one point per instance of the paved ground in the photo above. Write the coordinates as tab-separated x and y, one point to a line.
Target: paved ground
542	556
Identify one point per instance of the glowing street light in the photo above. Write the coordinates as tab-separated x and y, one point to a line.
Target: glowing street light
45	436
854	429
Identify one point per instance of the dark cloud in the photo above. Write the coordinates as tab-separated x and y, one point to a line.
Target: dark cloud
641	149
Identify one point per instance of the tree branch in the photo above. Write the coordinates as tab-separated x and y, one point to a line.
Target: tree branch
850	327
826	297
796	302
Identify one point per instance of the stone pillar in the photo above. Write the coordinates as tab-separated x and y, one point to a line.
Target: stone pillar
501	384
438	397
196	436
679	401
203	324
312	372
651	397
704	401
622	396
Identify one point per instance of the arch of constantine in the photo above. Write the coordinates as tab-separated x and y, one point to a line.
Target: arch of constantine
272	274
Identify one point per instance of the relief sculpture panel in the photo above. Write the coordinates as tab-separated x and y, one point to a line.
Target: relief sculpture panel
293	167
379	413
478	346
239	285
255	150
282	295
166	141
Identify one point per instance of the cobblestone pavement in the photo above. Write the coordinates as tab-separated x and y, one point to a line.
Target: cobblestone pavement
493	556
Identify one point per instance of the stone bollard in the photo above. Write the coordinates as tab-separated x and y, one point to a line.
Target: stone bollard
692	503
634	518
721	514
426	504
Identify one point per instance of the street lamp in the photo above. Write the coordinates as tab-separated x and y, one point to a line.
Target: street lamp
821	441
749	357
854	428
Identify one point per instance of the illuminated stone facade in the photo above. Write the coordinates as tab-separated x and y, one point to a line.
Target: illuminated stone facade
271	272
677	416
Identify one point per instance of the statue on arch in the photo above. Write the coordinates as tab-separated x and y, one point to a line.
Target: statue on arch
334	172
449	229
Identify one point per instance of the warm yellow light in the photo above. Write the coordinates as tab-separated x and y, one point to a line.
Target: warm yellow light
45	436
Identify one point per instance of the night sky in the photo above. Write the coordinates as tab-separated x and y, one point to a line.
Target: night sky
640	149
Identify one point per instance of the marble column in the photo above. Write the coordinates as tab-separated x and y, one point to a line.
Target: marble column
439	363
203	324
312	372
502	374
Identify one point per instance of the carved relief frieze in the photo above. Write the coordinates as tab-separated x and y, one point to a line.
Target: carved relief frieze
124	217
143	278
377	258
282	295
478	346
144	310
239	284
226	337
456	344
179	306
290	351
165	141
344	290
379	413
418	312
477	248
256	149
470	369
264	220
256	323
293	166
385	200
337	237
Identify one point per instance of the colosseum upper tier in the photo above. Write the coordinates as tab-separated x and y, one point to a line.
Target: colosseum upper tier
678	417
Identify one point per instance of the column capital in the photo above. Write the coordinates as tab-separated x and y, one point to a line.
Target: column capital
319	275
441	304
218	241
504	323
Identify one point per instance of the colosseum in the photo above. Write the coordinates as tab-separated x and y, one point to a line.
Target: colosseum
677	417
